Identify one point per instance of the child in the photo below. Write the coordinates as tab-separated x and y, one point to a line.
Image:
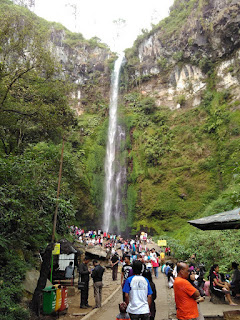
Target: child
123	314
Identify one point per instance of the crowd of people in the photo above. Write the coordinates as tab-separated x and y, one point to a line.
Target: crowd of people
214	284
139	265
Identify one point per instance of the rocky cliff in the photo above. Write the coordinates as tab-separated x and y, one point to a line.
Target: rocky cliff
87	64
175	58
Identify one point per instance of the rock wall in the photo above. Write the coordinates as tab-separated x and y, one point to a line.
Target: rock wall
85	65
173	65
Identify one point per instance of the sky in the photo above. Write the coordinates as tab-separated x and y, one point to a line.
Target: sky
96	17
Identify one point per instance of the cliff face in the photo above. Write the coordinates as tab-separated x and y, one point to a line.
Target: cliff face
174	58
86	64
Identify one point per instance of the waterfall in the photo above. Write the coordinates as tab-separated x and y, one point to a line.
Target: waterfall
121	176
112	184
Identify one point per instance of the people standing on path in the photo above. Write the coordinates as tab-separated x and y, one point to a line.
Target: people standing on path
97	275
122	248
186	296
138	294
167	268
148	275
84	274
126	272
154	260
162	257
114	261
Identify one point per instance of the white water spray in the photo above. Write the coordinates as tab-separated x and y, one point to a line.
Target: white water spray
111	146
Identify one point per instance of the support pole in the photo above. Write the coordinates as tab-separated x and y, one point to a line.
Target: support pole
51	269
58	192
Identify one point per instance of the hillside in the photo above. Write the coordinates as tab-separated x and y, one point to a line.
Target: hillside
181	107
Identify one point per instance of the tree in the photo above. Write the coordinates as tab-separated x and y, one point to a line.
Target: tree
33	99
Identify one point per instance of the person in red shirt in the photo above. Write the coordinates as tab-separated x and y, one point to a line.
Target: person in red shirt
186	296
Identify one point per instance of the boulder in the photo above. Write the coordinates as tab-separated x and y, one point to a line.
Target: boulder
31	279
96	251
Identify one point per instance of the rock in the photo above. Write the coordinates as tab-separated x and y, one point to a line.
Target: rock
31	280
174	63
97	251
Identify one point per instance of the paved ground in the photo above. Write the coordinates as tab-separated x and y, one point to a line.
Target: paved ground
209	309
74	301
110	310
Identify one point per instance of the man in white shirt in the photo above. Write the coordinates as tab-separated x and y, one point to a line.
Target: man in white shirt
138	294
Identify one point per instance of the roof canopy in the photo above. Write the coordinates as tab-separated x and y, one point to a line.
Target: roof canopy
219	221
66	247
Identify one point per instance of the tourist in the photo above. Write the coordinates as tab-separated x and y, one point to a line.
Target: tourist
147	274
147	261
218	287
235	283
97	275
123	315
122	248
186	296
162	257
138	294
114	262
126	271
140	258
154	260
69	271
167	268
170	279
84	274
163	268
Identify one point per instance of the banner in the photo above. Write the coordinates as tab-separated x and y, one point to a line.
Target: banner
56	250
162	243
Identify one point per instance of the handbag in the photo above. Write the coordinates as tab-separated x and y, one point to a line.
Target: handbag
81	285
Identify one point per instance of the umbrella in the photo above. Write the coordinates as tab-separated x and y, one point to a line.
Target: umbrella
219	221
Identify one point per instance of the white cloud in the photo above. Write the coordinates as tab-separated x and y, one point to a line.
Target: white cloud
95	17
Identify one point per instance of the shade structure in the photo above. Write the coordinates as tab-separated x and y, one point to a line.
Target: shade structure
219	221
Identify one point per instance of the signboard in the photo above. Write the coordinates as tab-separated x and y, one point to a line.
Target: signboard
56	250
162	243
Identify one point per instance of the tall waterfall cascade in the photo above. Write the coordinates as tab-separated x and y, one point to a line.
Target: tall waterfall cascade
115	173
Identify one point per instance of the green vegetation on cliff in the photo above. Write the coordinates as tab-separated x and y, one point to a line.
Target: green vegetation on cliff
179	161
182	165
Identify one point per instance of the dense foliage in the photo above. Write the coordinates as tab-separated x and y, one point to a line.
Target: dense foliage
184	164
184	159
35	117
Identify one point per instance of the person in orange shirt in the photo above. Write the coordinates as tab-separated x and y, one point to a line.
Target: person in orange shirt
186	296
